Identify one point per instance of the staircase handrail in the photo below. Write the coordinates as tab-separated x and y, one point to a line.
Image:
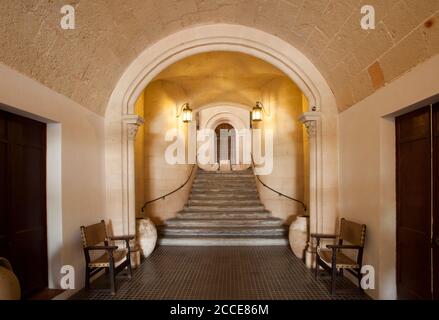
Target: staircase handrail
276	191
171	192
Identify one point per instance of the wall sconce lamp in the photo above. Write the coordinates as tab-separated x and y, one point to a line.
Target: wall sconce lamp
185	113
257	111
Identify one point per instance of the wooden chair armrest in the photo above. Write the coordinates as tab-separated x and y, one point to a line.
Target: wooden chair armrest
108	248
344	246
127	237
323	236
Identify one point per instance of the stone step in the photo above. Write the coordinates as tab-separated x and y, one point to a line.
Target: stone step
237	187
242	173
223	231
234	188
229	202
221	196
223	215
230	223
225	189
219	177
224	182
222	241
225	192
223	208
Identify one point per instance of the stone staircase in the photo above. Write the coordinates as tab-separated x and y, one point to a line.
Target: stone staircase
223	209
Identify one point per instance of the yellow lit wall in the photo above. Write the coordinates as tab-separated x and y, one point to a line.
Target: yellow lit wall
211	78
160	101
140	154
283	101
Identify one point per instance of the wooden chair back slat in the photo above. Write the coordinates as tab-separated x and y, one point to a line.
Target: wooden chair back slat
94	234
352	232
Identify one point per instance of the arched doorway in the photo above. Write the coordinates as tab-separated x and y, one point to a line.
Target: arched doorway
122	123
224	133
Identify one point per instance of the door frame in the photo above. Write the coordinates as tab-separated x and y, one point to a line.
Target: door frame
42	187
54	208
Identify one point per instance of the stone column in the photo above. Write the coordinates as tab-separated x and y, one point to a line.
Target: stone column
312	122
130	126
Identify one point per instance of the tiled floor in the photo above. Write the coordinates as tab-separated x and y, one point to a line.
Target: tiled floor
224	273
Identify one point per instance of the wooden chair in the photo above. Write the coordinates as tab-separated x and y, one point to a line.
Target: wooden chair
335	260
113	260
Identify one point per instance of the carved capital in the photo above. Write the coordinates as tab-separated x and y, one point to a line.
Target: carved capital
132	131
311	121
311	128
132	124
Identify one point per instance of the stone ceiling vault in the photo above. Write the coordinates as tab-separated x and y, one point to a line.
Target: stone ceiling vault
84	64
215	77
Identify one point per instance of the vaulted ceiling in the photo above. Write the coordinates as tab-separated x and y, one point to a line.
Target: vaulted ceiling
85	64
214	77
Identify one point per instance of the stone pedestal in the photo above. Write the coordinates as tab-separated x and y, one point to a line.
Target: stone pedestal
146	236
9	285
298	236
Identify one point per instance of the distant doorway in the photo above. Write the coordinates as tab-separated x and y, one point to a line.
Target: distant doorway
223	151
23	235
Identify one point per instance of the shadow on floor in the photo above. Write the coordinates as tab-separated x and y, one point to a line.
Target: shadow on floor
223	273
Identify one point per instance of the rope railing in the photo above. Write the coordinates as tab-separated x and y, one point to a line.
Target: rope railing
169	193
257	177
276	191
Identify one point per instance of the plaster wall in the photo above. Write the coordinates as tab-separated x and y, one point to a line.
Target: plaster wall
367	166
75	166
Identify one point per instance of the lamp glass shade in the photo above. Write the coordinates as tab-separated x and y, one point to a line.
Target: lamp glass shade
257	114
187	114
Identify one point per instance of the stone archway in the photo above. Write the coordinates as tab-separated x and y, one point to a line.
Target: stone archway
320	119
236	115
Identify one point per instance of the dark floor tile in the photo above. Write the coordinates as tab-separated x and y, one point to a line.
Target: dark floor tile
223	273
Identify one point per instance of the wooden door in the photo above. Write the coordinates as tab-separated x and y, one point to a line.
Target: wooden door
221	153
413	138
23	194
436	200
3	186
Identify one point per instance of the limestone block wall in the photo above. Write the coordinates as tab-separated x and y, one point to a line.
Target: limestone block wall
155	176
283	101
75	63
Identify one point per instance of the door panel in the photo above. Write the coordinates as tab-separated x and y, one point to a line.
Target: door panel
436	200
23	195
414	205
220	153
3	188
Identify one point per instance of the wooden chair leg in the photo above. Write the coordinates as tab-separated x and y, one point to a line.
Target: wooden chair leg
334	271
129	267
87	278
333	280
317	267
112	278
359	282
